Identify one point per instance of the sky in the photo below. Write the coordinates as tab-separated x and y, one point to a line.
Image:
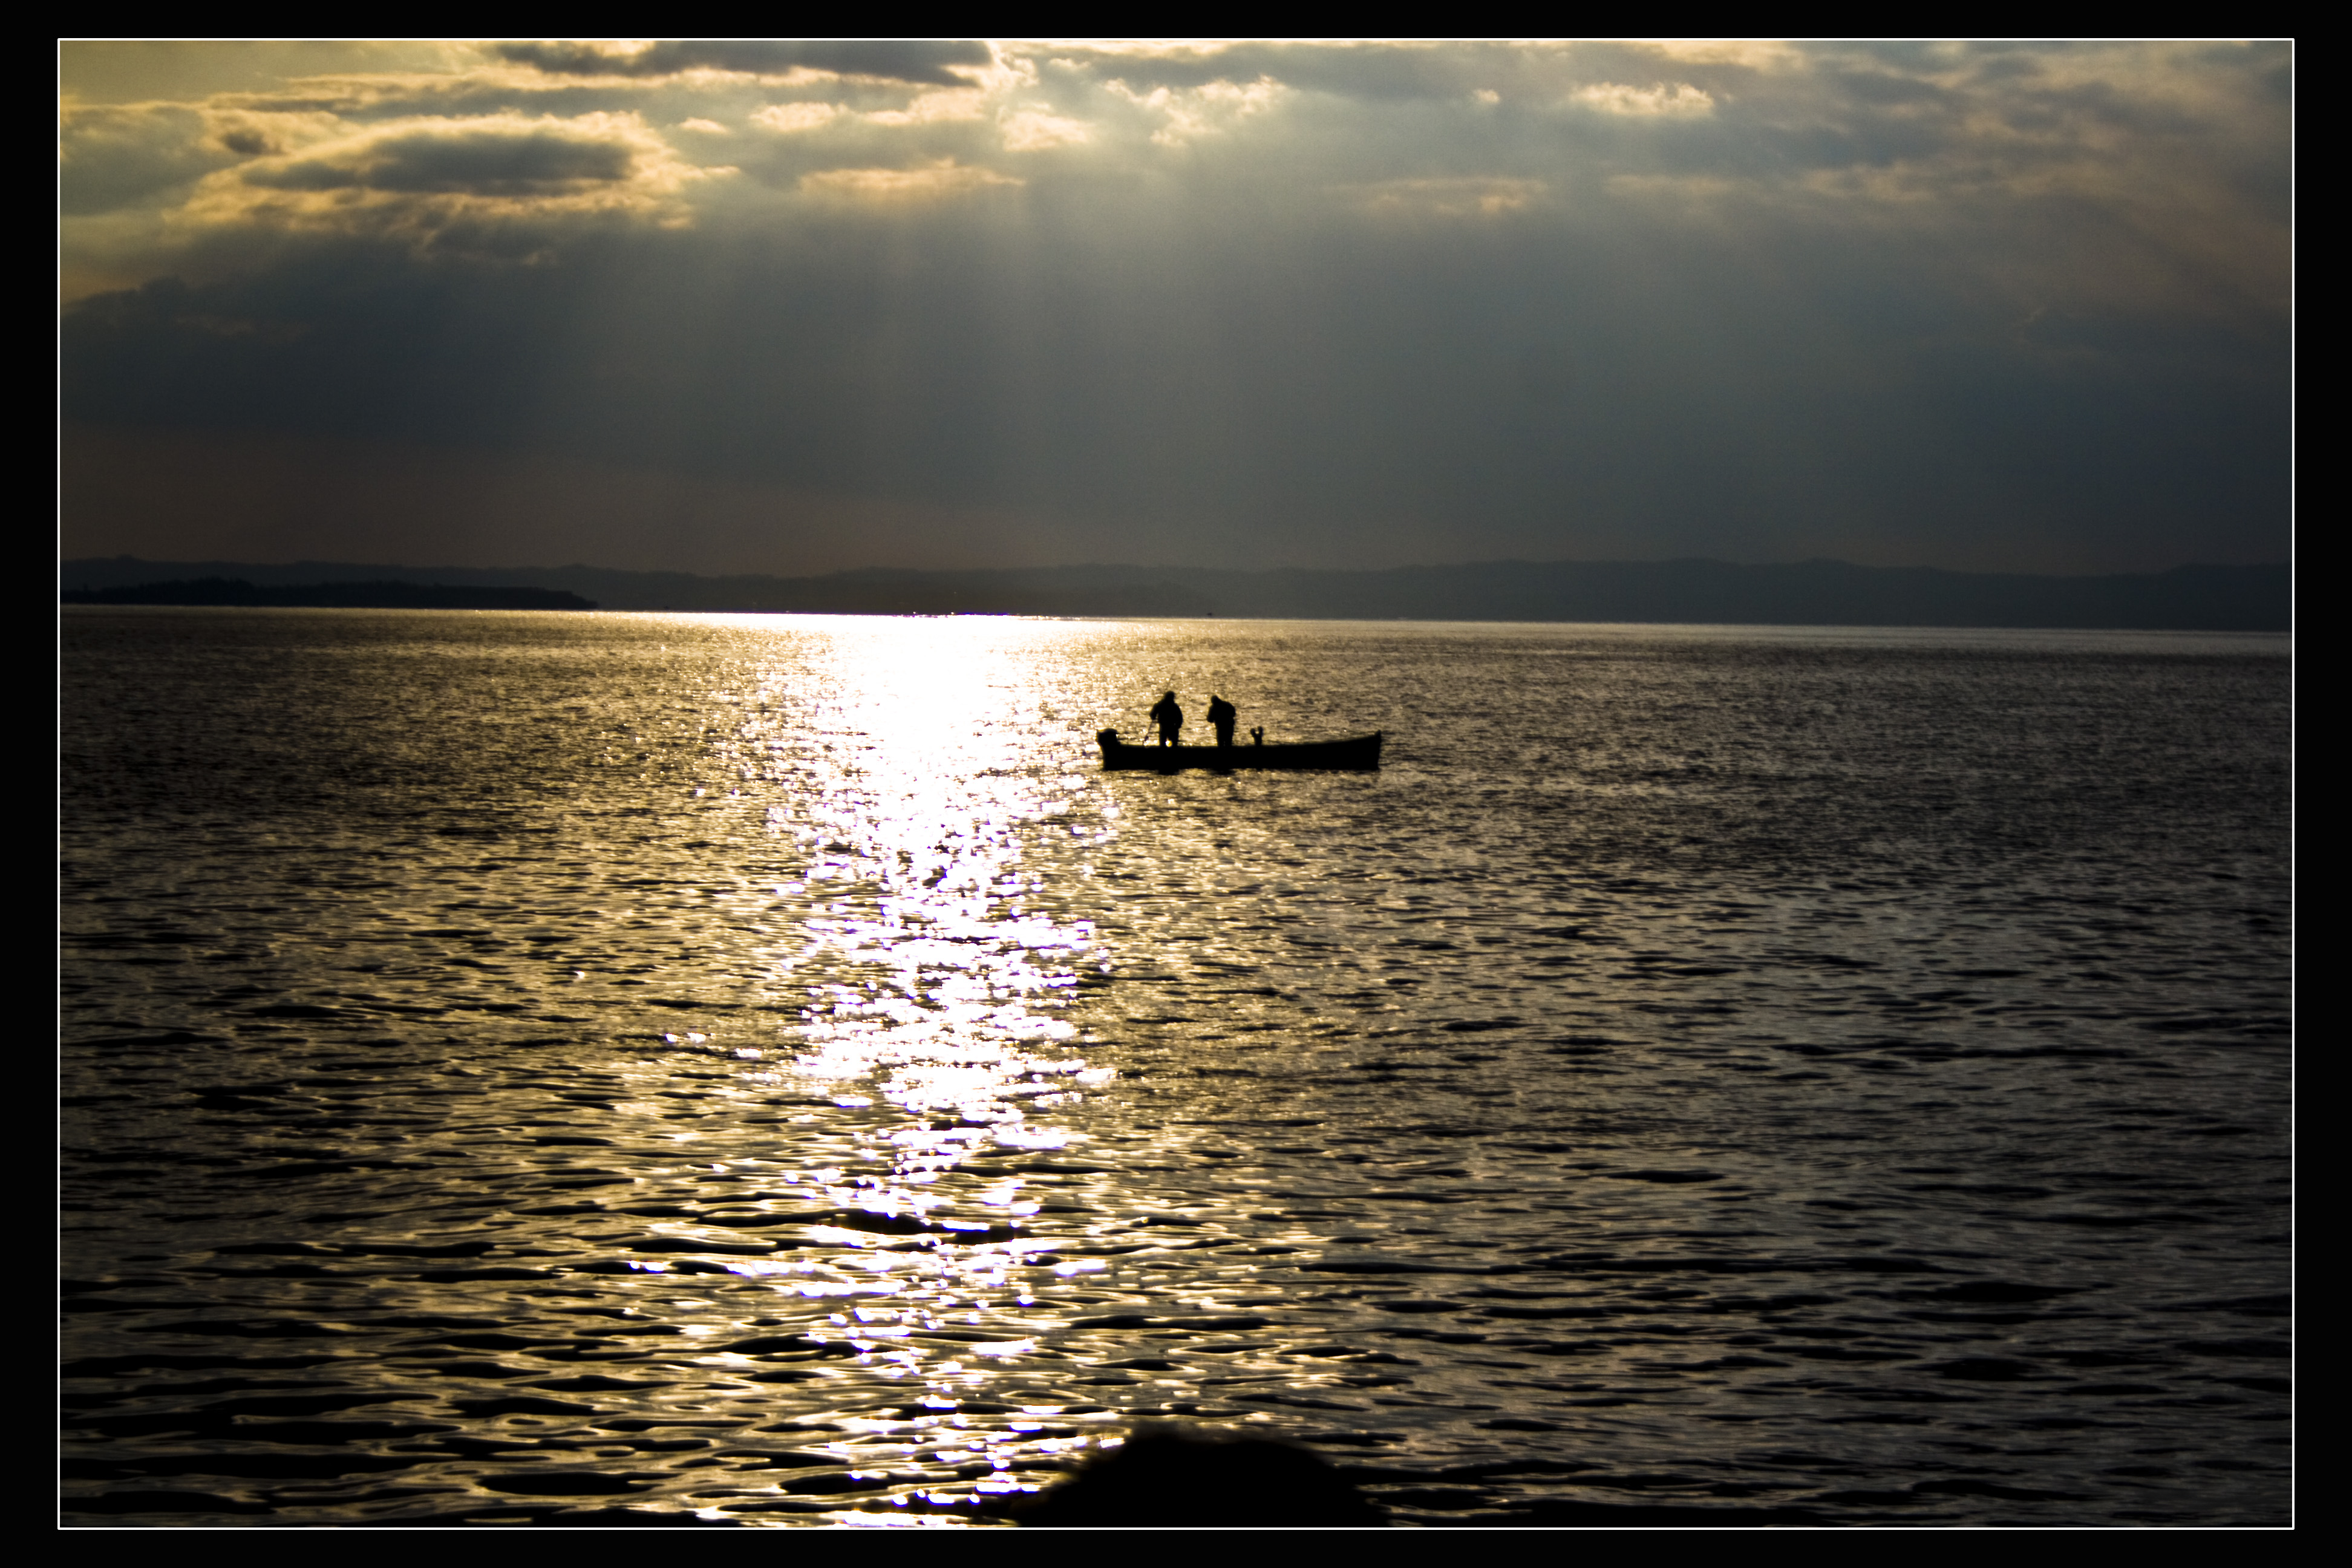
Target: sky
802	307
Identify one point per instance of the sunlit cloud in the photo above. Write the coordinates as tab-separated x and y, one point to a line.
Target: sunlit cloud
421	178
1681	102
933	107
791	118
115	155
928	181
914	60
1467	197
1750	54
1031	130
1211	109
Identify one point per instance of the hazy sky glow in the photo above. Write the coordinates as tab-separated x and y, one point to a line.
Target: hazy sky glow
795	307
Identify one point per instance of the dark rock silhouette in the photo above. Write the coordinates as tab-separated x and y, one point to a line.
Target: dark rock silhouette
1166	1476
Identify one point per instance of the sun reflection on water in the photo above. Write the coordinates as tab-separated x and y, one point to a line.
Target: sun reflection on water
924	965
929	980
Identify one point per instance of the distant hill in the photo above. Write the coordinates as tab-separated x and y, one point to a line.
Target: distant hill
361	595
1807	592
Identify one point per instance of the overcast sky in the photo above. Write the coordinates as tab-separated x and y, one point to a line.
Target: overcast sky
798	307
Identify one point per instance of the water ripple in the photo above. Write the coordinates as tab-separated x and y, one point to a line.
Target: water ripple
750	1069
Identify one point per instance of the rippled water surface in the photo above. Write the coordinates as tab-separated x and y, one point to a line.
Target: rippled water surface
616	1067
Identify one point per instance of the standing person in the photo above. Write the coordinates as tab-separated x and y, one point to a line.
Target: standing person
1222	717
1169	717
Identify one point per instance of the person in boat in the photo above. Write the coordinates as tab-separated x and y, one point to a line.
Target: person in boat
1170	718
1222	717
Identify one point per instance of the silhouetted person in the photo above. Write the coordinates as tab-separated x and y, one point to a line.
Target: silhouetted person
1257	734
1223	718
1165	1477
1170	718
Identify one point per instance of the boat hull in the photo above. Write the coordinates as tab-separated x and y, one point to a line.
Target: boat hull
1360	754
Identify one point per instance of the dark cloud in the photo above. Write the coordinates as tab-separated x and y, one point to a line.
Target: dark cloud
927	63
489	161
1239	399
1970	306
116	157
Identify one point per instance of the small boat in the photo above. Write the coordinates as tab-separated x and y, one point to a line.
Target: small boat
1360	752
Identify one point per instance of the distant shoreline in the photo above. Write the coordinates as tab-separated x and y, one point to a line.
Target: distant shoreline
362	595
1715	592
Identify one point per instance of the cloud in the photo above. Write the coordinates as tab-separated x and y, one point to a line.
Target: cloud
259	496
932	108
117	155
1461	197
1032	130
791	118
488	160
1213	108
425	178
1303	301
112	156
1682	100
931	63
928	181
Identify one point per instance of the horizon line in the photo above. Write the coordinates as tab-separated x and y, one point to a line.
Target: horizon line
64	562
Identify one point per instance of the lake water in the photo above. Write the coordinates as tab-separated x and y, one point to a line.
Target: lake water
541	1067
